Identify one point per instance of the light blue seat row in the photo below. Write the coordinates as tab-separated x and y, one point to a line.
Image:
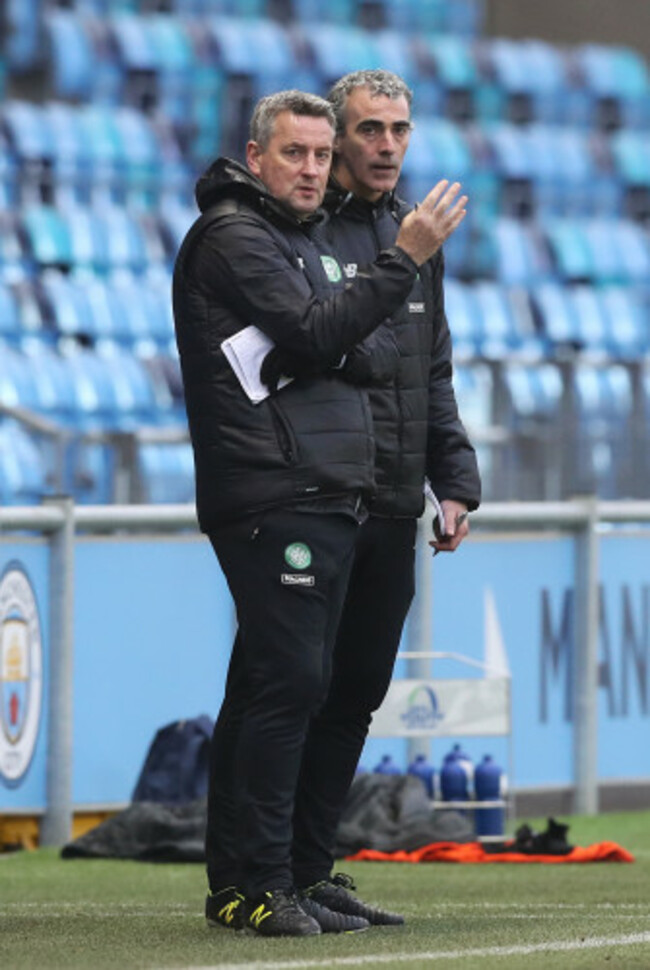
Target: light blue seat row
606	250
82	389
491	321
129	311
101	239
90	151
609	321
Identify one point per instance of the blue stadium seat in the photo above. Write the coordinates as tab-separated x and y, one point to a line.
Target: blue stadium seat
451	57
605	447
254	47
8	173
70	54
23	477
335	12
167	472
534	77
416	15
570	249
336	50
15	262
625	311
557	315
534	391
521	256
506	325
619	75
9	317
464	317
48	236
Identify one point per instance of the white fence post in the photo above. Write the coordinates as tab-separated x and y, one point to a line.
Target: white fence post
585	667
56	827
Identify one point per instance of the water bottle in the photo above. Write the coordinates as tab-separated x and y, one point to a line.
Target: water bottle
489	783
454	781
421	769
387	766
467	765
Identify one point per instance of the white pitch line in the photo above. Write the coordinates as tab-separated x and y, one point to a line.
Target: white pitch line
559	946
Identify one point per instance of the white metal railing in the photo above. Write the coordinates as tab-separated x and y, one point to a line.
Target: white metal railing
60	521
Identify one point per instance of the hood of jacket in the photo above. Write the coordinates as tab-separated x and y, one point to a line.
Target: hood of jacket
227	178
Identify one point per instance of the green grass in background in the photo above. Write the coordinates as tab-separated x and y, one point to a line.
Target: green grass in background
105	915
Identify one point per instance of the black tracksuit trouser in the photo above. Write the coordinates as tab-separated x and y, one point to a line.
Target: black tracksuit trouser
288	573
379	594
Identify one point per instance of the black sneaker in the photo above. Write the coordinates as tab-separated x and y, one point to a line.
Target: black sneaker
224	908
328	920
278	913
336	894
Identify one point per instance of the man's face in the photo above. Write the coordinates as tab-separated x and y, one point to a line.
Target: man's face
370	152
295	164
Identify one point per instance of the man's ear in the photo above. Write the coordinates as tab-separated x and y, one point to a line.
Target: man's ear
253	152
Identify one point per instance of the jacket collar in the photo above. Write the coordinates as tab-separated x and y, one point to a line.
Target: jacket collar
227	178
338	198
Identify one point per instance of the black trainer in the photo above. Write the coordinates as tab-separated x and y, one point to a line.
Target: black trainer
328	920
278	913
336	894
225	908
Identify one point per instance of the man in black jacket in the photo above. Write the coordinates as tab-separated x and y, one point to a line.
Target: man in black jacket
418	437
282	482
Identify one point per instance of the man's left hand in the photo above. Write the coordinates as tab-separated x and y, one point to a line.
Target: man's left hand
456	526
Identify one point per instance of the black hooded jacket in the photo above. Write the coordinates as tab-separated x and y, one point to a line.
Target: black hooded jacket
248	260
418	431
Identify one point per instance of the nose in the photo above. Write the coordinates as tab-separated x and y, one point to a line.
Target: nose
387	141
310	165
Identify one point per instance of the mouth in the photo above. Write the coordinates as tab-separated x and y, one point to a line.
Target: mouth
384	169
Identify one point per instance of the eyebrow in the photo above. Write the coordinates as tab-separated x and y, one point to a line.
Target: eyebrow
378	121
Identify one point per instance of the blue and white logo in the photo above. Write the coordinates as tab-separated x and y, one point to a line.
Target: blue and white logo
423	712
21	674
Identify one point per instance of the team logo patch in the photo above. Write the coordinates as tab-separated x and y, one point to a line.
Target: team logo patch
350	270
21	674
298	555
416	307
332	269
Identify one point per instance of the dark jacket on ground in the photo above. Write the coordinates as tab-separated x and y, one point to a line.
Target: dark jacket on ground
247	260
417	428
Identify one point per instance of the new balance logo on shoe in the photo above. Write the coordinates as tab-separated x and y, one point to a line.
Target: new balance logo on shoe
258	915
277	913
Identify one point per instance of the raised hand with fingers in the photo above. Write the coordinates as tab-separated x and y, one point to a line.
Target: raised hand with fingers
426	228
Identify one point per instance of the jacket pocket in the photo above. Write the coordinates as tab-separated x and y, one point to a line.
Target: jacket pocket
283	432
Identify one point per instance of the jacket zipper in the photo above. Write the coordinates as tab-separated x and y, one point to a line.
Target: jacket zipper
282	431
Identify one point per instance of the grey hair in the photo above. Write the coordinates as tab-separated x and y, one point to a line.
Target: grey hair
297	102
378	82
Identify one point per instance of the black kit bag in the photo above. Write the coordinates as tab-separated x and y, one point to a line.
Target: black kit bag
177	763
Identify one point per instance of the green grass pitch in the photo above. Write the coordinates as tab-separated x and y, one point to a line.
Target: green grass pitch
108	915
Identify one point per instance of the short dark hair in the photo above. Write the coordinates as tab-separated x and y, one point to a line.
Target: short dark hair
297	102
378	82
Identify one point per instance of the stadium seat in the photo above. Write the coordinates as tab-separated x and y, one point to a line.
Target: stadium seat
506	324
604	448
557	316
256	47
23	477
618	80
167	472
335	50
625	310
465	320
10	327
521	254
